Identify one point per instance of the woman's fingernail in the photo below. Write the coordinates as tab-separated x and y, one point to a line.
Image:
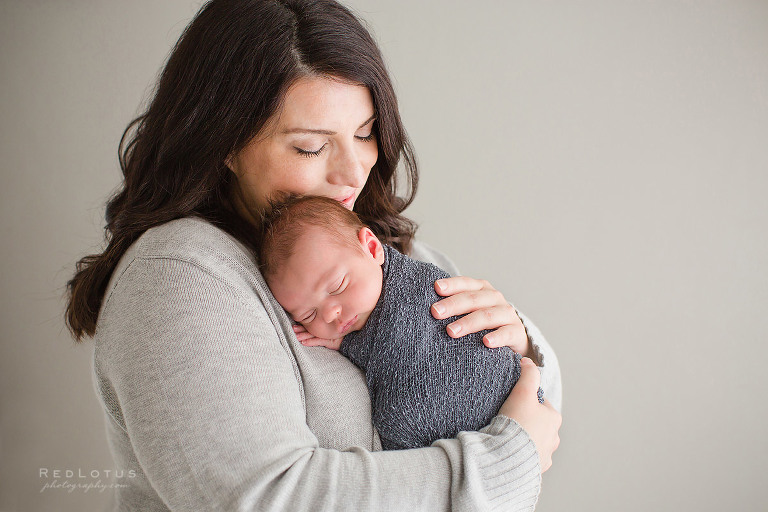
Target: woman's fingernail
440	285
454	329
491	339
439	308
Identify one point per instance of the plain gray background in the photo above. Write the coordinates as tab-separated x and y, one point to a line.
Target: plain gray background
603	163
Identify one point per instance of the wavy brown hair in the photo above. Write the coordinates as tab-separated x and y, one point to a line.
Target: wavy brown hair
226	76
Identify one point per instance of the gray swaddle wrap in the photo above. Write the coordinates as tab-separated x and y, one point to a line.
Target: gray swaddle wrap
425	385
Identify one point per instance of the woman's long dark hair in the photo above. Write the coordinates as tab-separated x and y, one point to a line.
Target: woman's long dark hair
227	74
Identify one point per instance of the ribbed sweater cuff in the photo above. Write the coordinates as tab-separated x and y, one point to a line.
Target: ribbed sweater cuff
509	466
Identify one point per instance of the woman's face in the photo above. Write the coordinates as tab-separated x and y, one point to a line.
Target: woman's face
320	143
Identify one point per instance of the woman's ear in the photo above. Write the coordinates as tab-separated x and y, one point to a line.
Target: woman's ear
230	162
371	245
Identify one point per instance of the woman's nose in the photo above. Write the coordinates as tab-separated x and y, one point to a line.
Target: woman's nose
349	169
331	313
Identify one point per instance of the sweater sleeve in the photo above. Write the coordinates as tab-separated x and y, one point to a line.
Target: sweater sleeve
210	399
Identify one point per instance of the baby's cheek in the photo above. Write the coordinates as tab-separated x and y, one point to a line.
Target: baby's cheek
318	331
372	295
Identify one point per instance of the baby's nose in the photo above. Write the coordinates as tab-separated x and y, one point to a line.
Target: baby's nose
332	313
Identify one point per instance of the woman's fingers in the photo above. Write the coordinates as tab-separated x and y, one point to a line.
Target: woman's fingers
453	285
467	302
512	336
490	317
483	307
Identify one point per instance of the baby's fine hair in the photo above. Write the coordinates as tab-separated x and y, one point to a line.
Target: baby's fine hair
289	219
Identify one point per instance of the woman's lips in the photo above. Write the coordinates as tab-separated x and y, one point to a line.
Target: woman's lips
347	326
347	201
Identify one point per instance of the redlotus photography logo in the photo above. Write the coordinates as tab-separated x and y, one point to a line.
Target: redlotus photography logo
83	480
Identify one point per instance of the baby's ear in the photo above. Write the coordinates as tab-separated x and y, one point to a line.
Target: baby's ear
371	245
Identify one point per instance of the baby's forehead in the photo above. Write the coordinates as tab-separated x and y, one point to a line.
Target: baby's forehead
315	248
313	237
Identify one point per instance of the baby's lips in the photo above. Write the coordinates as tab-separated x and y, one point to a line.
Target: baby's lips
344	328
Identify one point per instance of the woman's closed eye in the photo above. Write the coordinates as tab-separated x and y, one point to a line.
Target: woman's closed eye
371	134
308	152
366	138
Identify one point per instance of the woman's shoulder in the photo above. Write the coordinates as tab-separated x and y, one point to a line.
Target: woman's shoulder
424	252
192	239
196	243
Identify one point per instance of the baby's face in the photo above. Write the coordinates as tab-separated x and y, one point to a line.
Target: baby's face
330	287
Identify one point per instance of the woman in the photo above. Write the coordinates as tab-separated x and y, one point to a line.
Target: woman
211	402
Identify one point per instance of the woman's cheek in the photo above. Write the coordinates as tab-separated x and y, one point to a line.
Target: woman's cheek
297	180
373	155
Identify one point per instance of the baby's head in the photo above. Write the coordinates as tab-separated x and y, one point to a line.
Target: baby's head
322	264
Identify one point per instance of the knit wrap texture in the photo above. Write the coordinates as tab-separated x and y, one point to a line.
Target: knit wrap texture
425	385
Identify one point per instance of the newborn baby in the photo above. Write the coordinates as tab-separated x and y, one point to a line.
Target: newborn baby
334	277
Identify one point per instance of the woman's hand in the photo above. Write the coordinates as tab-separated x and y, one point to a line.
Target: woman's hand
484	307
540	421
308	340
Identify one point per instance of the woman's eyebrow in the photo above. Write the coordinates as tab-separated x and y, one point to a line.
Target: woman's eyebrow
308	130
373	116
324	132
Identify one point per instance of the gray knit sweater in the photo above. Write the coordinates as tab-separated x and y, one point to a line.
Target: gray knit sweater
424	384
212	403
